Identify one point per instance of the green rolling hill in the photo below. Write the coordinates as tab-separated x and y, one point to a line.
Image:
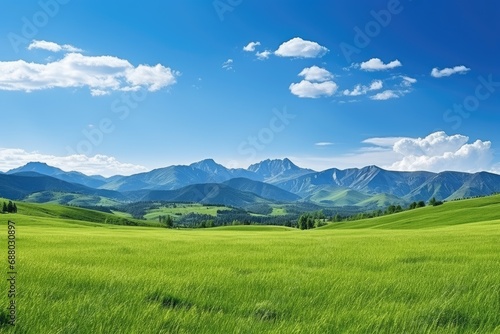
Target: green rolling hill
63	198
73	214
450	213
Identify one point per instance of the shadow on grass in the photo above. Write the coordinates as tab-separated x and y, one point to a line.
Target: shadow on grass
4	319
169	301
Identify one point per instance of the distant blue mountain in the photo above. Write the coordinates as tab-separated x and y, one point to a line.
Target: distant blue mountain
205	171
409	186
19	185
269	180
262	189
72	177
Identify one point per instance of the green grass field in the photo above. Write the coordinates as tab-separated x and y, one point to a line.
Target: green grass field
430	270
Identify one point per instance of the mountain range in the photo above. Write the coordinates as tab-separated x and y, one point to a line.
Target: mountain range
269	181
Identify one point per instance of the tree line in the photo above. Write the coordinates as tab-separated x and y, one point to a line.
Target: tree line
11	207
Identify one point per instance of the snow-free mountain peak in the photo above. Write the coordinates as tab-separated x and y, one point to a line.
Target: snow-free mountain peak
72	177
37	167
278	170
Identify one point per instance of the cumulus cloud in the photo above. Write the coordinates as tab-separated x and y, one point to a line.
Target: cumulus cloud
385	95
299	48
375	64
53	47
250	47
101	74
317	82
97	165
313	89
446	72
361	90
228	64
316	73
263	55
439	152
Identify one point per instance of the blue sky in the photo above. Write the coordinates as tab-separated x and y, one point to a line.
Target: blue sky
123	87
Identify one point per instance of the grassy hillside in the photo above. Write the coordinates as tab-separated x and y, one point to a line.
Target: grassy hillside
73	214
450	213
438	277
70	199
339	197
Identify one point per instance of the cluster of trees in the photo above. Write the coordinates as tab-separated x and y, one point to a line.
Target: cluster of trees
416	205
358	216
9	208
435	202
232	217
393	209
311	220
166	220
260	209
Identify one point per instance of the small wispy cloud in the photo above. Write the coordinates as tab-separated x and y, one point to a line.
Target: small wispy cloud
446	72
382	141
375	64
228	64
407	81
385	95
53	47
323	143
263	55
361	90
250	47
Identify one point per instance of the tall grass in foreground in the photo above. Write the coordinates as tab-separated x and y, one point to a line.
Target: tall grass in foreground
113	279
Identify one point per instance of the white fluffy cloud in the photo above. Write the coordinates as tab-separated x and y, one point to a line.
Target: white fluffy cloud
375	64
250	47
313	89
385	95
446	72
317	82
53	47
316	73
299	48
439	152
361	90
101	74
97	165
